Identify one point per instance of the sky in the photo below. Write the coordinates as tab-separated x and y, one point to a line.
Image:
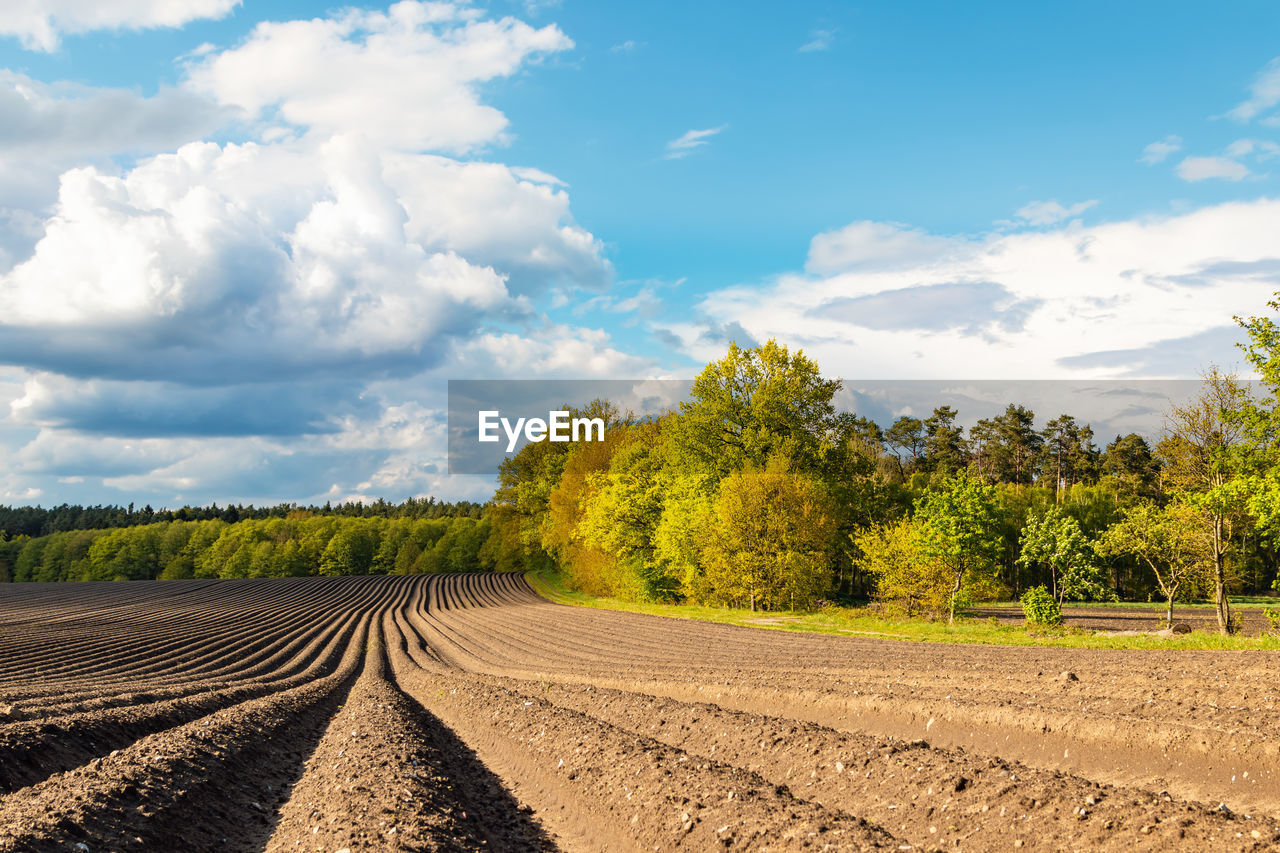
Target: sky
245	245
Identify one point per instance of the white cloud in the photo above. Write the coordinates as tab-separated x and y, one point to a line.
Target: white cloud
683	145
1157	151
1051	212
1264	93
818	40
1262	149
628	46
283	260
62	122
405	78
39	24
274	320
556	351
1206	168
876	245
1145	297
47	128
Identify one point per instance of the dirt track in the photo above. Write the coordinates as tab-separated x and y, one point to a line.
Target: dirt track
466	713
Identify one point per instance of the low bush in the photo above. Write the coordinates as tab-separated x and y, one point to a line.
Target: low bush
1040	607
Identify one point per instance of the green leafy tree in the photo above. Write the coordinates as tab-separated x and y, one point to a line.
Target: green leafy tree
622	516
1165	540
1040	608
893	555
1259	415
1054	541
1131	469
1007	446
755	404
585	566
1068	455
1203	464
959	522
770	539
351	550
905	439
688	508
944	446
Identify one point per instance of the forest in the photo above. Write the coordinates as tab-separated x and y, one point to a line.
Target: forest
758	493
298	544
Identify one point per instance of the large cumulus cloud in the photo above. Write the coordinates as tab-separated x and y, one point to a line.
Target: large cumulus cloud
262	317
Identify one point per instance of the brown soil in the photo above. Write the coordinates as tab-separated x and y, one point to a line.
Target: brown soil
466	713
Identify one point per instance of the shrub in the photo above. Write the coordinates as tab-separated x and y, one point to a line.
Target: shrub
1273	617
1040	607
905	580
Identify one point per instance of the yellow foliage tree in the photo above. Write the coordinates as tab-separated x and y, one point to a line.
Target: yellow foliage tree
904	577
770	537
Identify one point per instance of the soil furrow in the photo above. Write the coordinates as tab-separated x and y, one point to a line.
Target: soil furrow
211	784
581	775
387	775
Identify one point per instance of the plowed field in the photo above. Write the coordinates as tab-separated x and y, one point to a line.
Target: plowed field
466	713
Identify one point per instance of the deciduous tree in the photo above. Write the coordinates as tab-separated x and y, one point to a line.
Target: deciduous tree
1054	540
770	538
958	523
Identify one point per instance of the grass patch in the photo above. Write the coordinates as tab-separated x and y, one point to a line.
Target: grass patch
858	622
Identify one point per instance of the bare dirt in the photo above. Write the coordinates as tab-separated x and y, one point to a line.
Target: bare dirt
466	713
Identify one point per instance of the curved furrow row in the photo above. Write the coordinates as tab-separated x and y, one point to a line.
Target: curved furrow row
272	661
116	601
35	750
931	797
241	658
479	716
55	604
243	655
614	784
387	775
153	643
952	695
211	654
187	788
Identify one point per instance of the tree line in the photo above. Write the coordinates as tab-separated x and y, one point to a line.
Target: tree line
298	544
758	493
39	521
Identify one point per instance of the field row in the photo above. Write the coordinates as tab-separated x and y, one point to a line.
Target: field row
464	712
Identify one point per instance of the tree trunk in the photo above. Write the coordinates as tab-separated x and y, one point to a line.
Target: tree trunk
955	592
1221	605
1168	613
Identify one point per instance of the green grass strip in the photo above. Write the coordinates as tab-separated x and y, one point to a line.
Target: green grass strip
857	622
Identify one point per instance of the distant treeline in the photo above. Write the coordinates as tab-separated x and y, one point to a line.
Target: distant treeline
297	544
37	521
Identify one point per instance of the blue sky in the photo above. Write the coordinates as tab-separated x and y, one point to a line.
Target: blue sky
244	245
